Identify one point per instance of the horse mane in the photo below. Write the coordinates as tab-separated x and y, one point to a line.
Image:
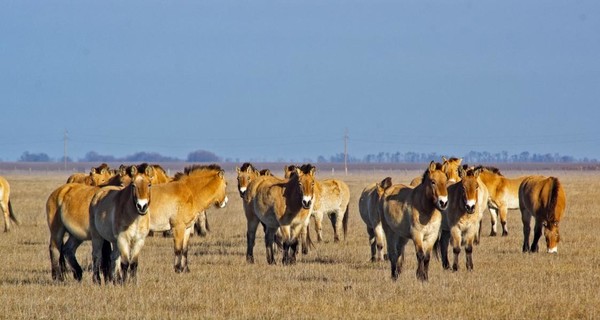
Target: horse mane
489	169
453	159
195	169
306	168
553	198
265	172
101	167
438	166
247	165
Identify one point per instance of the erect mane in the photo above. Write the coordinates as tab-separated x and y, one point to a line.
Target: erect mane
247	165
489	169
453	159
196	169
101	167
438	166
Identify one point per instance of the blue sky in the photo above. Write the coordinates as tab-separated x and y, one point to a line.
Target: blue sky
282	80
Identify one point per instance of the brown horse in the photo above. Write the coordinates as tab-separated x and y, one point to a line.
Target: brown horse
415	214
452	167
177	204
504	195
6	205
368	206
120	216
461	220
543	198
97	176
67	211
284	204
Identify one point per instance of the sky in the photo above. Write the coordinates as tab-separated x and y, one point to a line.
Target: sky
284	80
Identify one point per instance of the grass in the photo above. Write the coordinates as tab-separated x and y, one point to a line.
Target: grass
332	281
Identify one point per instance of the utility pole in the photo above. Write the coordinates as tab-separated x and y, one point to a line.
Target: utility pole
65	138
346	151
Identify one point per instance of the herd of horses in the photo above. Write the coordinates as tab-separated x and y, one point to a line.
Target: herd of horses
117	209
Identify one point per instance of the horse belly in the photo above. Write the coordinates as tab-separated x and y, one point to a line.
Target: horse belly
77	226
511	201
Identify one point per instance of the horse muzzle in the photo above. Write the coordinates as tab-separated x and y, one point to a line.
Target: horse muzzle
442	203
470	206
553	250
306	202
142	207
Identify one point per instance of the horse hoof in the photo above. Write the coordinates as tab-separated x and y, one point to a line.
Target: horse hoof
493	234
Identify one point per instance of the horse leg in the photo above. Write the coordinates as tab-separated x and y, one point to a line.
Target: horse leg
444	243
456	242
293	251
494	220
184	256
178	235
304	236
69	249
252	225
373	244
401	245
526	218
503	217
115	265
6	214
478	235
469	254
393	254
318	216
269	242
57	260
337	225
97	244
537	233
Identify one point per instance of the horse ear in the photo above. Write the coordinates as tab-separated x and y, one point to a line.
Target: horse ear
459	161
122	170
149	171
444	159
222	173
93	170
432	166
237	169
104	171
313	170
386	183
134	170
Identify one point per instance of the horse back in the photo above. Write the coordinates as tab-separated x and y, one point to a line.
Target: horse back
397	207
544	197
331	194
74	207
172	204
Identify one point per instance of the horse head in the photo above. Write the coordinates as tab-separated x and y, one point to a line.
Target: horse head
221	190
469	190
452	168
552	236
435	182
305	178
245	175
141	188
100	175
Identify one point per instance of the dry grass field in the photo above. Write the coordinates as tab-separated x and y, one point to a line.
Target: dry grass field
332	281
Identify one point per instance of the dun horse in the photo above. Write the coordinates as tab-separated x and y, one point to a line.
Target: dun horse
461	220
120	216
67	211
415	214
544	199
280	204
368	206
504	195
6	205
176	205
97	176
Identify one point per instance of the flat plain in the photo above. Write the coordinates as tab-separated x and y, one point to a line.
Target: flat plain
335	280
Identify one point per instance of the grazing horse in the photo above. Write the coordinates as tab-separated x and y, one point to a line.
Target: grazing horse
177	204
6	205
462	219
120	216
543	198
504	195
452	168
415	214
281	204
97	176
67	211
368	206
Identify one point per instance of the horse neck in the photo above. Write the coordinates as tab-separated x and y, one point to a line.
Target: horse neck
421	200
198	185
124	201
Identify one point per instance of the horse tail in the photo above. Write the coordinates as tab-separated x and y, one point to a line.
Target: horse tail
206	222
553	195
309	242
106	259
345	220
13	217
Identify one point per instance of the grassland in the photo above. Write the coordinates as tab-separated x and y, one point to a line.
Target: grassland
332	281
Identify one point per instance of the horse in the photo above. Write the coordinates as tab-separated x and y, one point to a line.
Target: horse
6	205
453	165
504	195
368	206
543	198
461	220
283	204
97	176
177	204
67	211
332	199
120	216
415	214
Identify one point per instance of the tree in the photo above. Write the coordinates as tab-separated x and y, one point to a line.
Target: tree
34	157
202	156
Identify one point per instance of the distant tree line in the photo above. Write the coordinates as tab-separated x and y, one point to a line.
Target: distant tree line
381	157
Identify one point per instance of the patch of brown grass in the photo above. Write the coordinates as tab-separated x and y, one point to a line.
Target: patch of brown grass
332	281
